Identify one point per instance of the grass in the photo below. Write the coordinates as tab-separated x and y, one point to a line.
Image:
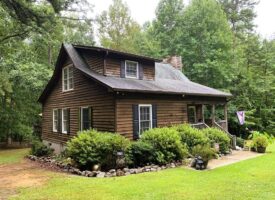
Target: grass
250	179
12	155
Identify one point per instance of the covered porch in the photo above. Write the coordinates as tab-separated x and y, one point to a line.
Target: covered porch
210	115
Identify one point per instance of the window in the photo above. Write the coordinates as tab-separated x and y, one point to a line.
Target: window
55	120
191	112
86	118
131	69
145	118
67	75
65	120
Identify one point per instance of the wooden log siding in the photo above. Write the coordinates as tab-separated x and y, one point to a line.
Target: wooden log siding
95	61
86	93
169	112
113	69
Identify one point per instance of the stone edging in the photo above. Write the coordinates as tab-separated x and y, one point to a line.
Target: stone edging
52	163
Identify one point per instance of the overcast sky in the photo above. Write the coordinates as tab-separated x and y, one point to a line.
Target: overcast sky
144	10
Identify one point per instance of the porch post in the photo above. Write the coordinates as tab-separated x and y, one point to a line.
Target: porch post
225	116
202	113
213	114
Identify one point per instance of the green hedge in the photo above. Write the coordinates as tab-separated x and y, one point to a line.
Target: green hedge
91	147
166	143
156	146
38	148
191	136
217	136
140	154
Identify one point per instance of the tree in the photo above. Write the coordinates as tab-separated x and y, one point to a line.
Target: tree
206	41
166	26
240	14
117	30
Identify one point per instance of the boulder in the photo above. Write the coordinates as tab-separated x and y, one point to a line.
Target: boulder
100	175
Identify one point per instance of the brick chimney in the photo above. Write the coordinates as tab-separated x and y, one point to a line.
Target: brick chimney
175	61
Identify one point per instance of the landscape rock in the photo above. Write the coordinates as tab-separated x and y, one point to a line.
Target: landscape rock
120	173
100	175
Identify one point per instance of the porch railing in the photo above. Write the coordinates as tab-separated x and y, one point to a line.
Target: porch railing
220	125
200	125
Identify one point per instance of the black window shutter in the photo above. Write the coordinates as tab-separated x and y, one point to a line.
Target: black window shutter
135	122
79	119
154	116
91	117
122	69
59	120
140	71
69	118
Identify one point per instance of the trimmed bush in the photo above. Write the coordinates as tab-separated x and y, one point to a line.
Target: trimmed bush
205	152
191	136
38	148
91	147
217	136
166	143
140	154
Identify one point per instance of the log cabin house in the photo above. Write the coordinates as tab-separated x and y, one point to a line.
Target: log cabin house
114	91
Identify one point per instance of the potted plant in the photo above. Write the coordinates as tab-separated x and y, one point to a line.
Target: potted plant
202	155
260	143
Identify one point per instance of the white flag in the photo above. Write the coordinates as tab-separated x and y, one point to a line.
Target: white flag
241	117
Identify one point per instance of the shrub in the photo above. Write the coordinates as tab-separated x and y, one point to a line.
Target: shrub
140	153
191	136
256	134
38	148
166	144
240	142
260	142
91	147
217	136
205	152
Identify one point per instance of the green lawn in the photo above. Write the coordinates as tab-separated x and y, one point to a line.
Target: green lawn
12	155
250	179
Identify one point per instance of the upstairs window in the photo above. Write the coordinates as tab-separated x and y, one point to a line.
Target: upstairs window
131	69
68	81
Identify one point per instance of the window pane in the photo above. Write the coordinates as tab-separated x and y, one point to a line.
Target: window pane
65	125
145	125
131	69
85	119
145	118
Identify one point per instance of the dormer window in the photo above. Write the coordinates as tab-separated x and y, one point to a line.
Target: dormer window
67	76
131	69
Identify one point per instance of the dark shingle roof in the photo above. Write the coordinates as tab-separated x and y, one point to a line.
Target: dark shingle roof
168	80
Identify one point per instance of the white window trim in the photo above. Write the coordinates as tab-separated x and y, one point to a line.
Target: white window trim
62	124
81	117
63	86
136	77
151	115
55	130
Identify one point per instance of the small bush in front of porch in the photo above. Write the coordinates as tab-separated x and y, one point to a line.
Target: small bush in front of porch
166	143
191	136
91	147
217	136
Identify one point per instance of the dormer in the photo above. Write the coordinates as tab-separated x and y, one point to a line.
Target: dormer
114	63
